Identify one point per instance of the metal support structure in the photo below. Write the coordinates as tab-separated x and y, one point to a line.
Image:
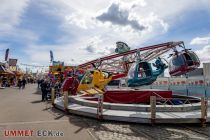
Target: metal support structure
66	102
204	108
169	83
206	75
53	96
116	63
205	85
187	84
153	108
100	107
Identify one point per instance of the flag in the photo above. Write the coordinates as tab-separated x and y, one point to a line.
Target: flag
6	54
51	56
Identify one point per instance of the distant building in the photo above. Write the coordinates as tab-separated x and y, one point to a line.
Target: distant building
206	69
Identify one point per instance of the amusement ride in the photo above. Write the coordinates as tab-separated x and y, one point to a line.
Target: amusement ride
133	65
86	90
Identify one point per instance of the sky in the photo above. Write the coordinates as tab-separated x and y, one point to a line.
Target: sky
78	31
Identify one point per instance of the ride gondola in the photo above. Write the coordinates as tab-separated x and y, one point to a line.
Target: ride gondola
141	73
183	62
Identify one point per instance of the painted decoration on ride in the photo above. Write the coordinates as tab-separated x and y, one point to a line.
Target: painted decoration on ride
196	86
192	86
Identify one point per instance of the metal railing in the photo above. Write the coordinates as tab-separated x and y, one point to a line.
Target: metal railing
170	100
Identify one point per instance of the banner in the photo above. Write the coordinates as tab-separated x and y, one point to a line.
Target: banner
13	68
6	54
58	63
12	62
51	56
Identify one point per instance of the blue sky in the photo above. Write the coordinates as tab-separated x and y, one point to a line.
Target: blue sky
78	31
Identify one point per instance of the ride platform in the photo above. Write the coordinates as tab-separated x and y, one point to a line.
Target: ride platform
189	112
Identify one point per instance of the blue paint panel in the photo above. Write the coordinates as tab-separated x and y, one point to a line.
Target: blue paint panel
178	89
197	91
208	91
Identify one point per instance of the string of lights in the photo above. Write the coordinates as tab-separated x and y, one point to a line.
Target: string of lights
31	65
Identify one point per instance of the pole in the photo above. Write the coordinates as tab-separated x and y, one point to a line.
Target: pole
53	96
206	74
100	107
153	108
169	83
204	107
186	75
66	102
205	85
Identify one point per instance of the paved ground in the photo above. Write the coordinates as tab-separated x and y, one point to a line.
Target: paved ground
22	110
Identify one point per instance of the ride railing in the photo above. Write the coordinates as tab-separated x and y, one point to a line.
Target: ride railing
203	109
174	101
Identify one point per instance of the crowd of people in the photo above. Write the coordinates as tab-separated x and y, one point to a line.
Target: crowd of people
46	86
15	82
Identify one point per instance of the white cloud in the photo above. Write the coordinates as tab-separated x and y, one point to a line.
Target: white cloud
204	54
200	41
127	31
10	13
71	53
90	38
172	9
155	24
95	45
120	16
10	18
80	20
133	3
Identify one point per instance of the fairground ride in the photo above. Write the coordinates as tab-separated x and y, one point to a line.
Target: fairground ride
134	65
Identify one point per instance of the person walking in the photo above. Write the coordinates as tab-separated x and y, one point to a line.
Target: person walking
23	83
39	82
44	90
19	83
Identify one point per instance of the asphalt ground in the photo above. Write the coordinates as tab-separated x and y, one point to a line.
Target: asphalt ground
23	110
